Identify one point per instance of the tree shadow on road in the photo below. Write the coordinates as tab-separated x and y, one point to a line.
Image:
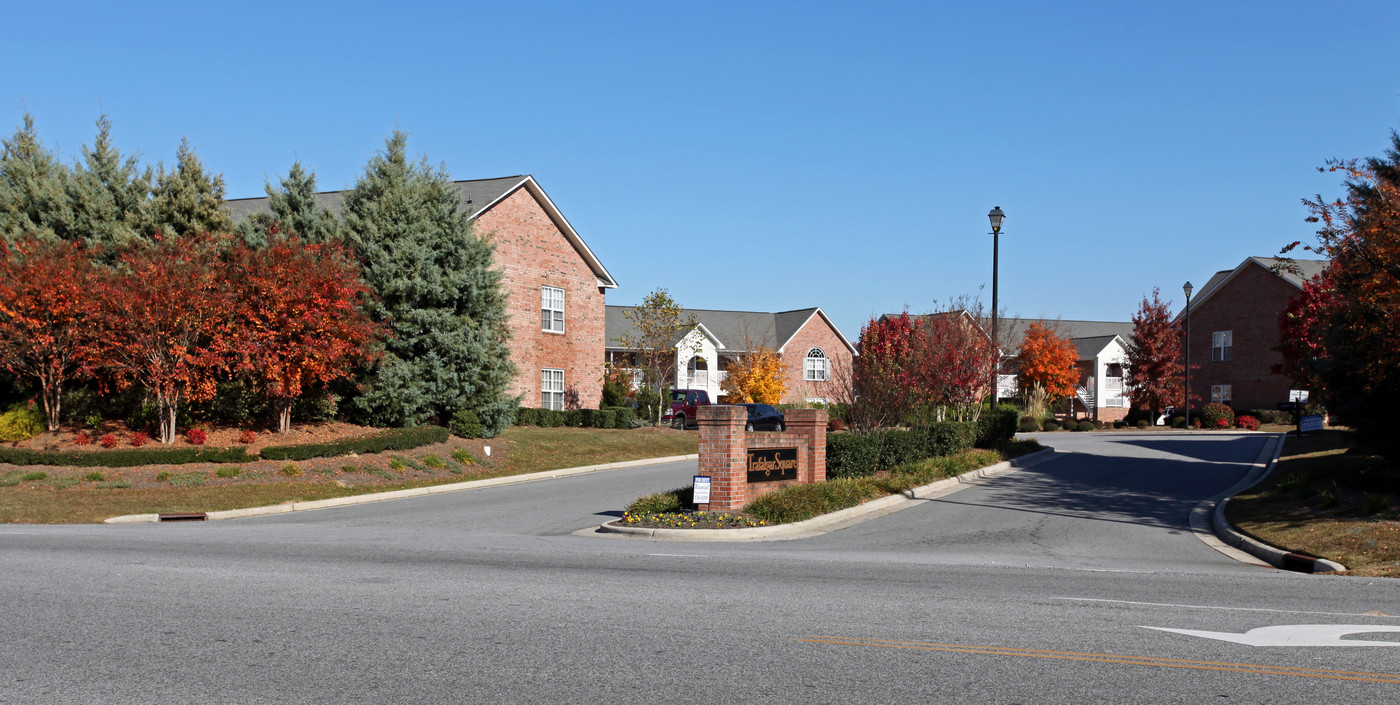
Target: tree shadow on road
1138	489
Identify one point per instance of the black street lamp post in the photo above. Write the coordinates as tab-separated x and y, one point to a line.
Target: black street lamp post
1187	289
996	216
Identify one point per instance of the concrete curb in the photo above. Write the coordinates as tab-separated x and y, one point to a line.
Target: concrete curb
826	523
403	494
1211	513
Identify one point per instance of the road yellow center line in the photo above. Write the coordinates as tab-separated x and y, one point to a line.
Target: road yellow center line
1111	658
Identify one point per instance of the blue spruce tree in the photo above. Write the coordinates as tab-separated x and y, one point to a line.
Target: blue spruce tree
437	293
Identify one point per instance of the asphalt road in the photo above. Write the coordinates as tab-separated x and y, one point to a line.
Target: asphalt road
1036	587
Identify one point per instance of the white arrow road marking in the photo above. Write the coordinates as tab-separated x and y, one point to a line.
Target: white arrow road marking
1295	635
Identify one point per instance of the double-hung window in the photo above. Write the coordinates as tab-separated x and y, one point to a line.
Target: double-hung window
816	368
552	389
1221	393
552	309
1221	344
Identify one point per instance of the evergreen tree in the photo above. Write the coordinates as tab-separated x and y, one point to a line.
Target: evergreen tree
187	200
295	211
436	292
110	196
33	198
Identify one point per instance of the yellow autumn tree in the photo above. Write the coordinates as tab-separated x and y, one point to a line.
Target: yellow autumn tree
756	377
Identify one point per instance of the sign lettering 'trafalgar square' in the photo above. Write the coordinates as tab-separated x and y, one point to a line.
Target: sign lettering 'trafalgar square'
772	464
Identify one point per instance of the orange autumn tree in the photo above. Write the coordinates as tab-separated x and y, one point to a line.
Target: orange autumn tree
297	320
164	311
756	377
46	309
1047	372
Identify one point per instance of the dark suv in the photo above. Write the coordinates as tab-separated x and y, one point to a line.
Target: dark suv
683	406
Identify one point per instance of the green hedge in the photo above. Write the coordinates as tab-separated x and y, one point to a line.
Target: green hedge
466	424
998	427
393	439
608	417
124	458
864	454
624	416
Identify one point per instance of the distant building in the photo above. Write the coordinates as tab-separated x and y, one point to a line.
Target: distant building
1102	352
1102	347
554	286
1235	334
817	356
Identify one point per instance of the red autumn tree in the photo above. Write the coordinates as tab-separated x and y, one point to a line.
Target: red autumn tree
1047	367
883	386
1301	329
46	305
952	365
1358	321
297	319
163	316
1155	375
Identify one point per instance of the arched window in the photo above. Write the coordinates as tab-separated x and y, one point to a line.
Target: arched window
816	368
697	373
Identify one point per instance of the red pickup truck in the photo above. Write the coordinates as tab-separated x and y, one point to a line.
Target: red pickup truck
684	403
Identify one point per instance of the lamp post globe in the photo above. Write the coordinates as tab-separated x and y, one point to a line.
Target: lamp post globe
995	216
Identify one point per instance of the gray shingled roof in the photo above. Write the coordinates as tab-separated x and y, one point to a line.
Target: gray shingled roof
477	196
476	193
1012	330
736	330
1091	347
1089	337
1306	270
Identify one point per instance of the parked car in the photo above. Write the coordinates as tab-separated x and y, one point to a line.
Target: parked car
763	417
684	403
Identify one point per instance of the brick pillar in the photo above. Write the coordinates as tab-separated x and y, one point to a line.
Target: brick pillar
809	426
723	455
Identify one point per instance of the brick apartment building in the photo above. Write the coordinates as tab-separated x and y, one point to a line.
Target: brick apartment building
817	356
554	285
1234	332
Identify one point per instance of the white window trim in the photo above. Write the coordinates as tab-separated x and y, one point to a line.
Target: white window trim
552	389
1222	345
816	366
1222	394
548	299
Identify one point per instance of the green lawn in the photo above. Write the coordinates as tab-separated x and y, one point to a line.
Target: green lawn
66	497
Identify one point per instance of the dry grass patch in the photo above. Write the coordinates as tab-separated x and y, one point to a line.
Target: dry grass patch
1330	498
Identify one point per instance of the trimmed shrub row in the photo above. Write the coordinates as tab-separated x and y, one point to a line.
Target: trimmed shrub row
864	454
609	417
995	427
124	458
393	439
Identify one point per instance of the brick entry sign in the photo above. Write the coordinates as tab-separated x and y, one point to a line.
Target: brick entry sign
744	465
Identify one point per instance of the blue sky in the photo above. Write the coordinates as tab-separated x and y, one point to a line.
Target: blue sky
774	155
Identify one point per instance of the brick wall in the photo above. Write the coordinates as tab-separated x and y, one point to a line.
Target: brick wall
531	252
816	333
724	448
1248	306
